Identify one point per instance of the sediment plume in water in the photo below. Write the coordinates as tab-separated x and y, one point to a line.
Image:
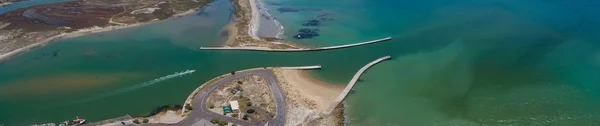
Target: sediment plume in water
134	87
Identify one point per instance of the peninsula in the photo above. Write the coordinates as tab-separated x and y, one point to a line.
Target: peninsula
273	96
244	25
26	28
243	32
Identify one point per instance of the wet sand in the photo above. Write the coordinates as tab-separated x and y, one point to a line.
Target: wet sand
231	32
243	28
306	97
254	21
321	92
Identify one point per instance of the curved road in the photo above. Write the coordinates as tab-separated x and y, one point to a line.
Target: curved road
260	111
202	112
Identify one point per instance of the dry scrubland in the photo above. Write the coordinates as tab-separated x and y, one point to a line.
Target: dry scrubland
30	27
238	30
255	90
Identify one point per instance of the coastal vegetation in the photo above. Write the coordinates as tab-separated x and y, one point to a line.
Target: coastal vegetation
239	36
161	15
251	111
25	27
219	122
211	106
188	107
245	91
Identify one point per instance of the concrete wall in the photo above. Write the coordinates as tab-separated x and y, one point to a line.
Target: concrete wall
348	88
295	50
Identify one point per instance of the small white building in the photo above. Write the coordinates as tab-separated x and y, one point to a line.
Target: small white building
234	105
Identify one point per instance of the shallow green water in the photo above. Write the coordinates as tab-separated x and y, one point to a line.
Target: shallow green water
454	63
89	74
469	62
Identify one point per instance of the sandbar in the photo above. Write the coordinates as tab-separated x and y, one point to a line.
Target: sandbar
243	28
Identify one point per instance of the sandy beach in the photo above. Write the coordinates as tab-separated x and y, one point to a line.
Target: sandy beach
232	31
320	92
243	28
255	21
307	96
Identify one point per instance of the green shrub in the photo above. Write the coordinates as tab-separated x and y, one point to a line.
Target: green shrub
250	111
188	107
223	122
214	120
136	121
160	14
146	121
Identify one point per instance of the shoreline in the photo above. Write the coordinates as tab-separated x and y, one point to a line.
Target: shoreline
4	4
307	96
318	88
254	21
243	29
232	32
264	11
86	31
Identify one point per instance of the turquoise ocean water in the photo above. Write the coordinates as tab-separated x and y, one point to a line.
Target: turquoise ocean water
467	62
463	62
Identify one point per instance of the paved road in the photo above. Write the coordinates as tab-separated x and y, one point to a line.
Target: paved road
202	112
260	111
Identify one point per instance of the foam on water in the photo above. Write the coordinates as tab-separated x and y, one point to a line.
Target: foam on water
269	26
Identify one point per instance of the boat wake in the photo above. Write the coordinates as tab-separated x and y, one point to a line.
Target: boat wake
145	84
